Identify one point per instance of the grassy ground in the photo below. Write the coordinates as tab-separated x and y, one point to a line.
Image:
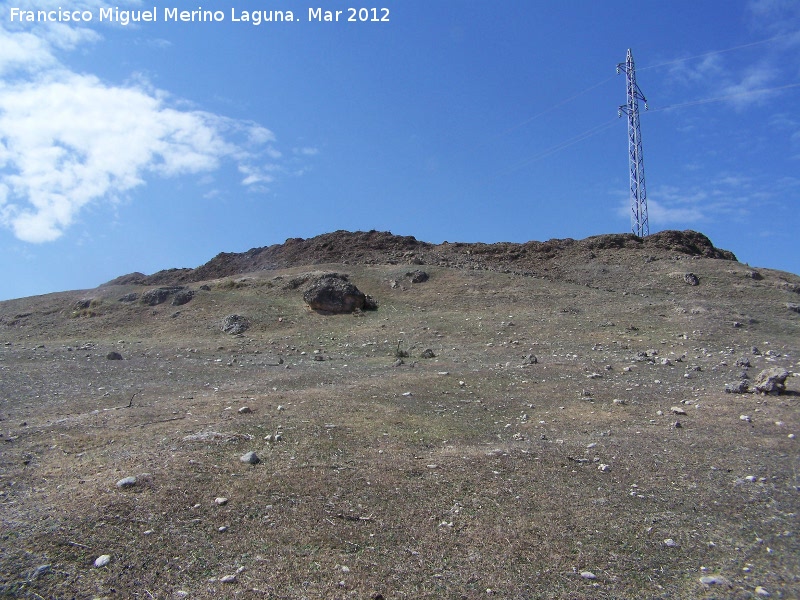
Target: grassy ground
472	474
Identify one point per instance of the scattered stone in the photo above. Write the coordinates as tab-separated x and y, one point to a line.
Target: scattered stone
399	362
588	575
677	425
250	458
245	410
235	324
220	501
417	276
670	543
132	297
743	362
39	571
228	579
102	560
793	306
740	387
745	418
529	359
677	410
211	436
126	482
714	580
666	362
427	353
222	529
760	591
114	356
772	380
603	467
691	279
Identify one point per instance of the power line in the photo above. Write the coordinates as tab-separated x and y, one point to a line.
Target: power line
712	53
725	97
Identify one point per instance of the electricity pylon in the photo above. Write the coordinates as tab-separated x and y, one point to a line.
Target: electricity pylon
639	223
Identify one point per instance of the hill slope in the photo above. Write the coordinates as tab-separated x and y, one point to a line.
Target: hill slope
567	434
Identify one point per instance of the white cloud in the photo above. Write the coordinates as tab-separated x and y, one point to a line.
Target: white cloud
306	151
68	139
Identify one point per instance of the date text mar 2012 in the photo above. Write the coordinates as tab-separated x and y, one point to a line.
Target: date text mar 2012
351	15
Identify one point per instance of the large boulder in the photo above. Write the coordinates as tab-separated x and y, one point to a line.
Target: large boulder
771	381
332	294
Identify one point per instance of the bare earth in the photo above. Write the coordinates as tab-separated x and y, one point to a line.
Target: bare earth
611	465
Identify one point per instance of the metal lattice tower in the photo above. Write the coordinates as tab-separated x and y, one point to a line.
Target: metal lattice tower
639	223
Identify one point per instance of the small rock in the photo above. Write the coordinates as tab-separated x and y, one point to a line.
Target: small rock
427	353
746	418
603	467
220	501
740	387
677	410
677	425
222	529
245	410
250	458
40	570
102	560
670	543
126	482
714	580
228	579
760	591
114	356
235	324
691	279
588	575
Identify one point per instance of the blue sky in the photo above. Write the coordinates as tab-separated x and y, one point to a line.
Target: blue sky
147	146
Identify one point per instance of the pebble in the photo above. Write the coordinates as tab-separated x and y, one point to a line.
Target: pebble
228	579
670	543
677	410
40	570
222	529
221	501
126	482
588	575
746	418
244	410
102	560
714	580
760	591
250	458
603	467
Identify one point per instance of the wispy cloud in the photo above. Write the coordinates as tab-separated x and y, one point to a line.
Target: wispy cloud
69	139
724	197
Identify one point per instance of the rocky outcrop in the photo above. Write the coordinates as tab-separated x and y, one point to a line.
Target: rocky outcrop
334	294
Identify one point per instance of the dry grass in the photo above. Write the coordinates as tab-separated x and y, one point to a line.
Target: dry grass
403	482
